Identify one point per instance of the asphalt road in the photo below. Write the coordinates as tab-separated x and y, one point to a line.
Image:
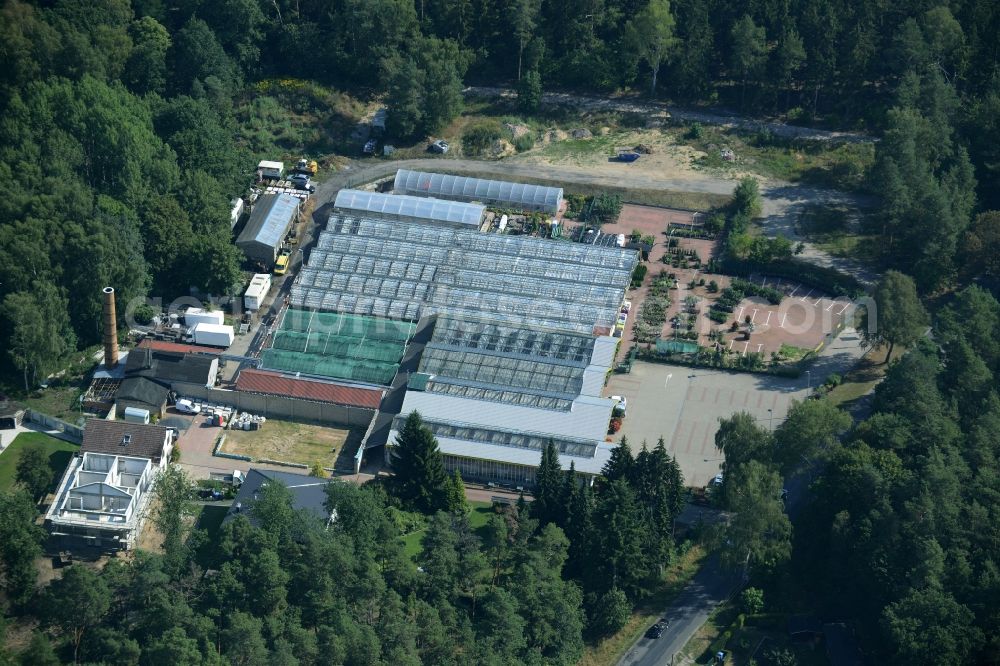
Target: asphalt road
711	586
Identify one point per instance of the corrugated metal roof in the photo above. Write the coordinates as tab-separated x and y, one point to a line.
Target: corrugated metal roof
462	188
515	456
587	419
397	206
605	347
273	383
270	219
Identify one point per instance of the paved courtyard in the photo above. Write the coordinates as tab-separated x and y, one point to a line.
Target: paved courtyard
684	405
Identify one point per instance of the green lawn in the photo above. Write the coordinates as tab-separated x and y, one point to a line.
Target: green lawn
59	453
479	515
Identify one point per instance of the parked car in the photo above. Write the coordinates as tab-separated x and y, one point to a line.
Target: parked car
187	407
655	631
621	404
440	146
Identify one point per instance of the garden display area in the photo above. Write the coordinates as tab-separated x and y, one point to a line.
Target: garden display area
289	442
689	307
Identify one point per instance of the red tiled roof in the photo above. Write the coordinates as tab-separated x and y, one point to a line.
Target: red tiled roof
259	381
163	345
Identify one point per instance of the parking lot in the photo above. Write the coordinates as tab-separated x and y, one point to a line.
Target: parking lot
683	405
804	320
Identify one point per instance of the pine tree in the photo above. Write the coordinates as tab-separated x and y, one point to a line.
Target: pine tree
580	532
456	493
569	484
420	479
548	487
619	465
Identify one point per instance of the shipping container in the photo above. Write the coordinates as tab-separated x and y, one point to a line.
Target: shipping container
236	210
254	297
195	316
214	335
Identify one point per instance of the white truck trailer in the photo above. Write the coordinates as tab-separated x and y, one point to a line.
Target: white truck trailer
213	335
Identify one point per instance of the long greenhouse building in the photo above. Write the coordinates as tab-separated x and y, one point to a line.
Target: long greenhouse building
494	193
410	209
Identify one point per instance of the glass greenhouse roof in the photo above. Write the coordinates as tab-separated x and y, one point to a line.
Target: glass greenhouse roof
402	207
462	188
406	270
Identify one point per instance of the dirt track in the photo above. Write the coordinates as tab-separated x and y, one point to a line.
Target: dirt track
635	105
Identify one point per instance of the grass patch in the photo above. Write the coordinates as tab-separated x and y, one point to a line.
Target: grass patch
479	515
210	518
791	353
287	441
610	650
842	166
744	637
59	453
863	377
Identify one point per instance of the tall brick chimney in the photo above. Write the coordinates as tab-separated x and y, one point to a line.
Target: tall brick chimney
110	330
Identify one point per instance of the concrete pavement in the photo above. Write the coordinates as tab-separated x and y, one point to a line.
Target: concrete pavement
683	405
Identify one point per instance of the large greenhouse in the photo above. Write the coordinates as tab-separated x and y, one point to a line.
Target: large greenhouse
494	193
514	345
409	209
405	271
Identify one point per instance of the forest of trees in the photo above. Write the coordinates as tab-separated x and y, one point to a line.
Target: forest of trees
287	587
118	138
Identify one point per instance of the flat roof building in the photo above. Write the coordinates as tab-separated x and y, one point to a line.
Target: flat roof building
270	220
495	193
494	395
101	501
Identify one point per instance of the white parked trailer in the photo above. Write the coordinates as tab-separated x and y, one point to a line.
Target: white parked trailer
271	170
195	316
136	415
255	294
213	335
235	212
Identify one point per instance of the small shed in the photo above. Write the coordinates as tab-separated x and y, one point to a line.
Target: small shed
142	393
271	218
11	413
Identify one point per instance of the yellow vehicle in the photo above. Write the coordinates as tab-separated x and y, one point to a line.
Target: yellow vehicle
281	264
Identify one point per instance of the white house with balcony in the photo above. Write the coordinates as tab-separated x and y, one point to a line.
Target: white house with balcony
101	502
